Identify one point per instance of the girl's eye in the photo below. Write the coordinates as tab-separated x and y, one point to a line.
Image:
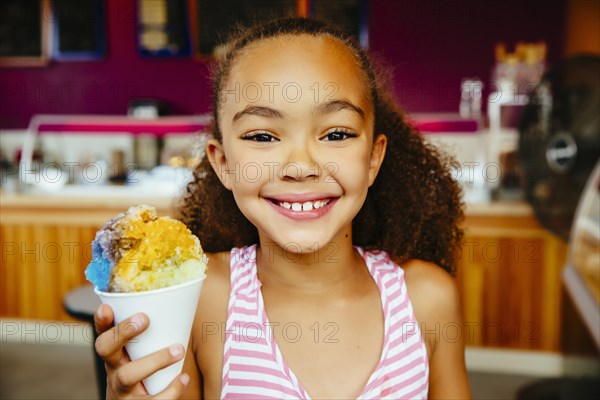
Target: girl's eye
260	137
338	134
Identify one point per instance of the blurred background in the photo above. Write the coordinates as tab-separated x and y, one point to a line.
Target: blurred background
105	104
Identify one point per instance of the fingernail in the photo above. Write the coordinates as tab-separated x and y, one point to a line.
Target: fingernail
185	379
137	320
101	313
176	350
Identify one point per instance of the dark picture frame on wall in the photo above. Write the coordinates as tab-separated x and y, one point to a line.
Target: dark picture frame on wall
78	29
163	28
24	33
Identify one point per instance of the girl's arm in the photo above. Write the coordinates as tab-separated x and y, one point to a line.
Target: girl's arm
436	303
193	390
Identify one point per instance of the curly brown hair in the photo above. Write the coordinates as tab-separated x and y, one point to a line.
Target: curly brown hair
412	210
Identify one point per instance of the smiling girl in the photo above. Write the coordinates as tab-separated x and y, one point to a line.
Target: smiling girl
332	228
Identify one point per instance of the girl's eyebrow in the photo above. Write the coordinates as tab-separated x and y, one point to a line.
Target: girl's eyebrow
259	111
323	108
337	105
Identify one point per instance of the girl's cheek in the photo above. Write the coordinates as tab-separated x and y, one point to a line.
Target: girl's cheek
247	175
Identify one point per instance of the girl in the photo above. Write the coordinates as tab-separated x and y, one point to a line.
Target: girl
343	225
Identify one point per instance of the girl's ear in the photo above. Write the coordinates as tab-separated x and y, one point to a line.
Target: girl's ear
377	155
218	161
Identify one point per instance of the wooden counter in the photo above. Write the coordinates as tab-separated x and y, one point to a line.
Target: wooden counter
509	270
509	279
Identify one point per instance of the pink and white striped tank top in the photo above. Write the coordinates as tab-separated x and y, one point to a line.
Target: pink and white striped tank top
253	367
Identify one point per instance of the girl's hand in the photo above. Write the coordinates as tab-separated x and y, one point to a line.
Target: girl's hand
124	377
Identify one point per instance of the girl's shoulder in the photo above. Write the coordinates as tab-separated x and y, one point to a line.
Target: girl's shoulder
433	293
436	304
424	277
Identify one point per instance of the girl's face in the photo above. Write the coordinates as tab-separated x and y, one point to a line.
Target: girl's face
297	145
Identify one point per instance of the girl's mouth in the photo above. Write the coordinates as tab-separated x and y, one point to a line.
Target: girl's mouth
304	210
304	206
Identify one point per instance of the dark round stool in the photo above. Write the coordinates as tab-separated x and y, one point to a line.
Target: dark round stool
82	303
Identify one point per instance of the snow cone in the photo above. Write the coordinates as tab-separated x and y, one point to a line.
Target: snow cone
155	265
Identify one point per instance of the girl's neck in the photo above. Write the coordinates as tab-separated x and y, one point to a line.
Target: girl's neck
334	266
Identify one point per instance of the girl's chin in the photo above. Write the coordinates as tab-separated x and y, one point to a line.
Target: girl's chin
296	247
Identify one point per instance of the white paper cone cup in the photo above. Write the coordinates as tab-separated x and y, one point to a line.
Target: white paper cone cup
171	312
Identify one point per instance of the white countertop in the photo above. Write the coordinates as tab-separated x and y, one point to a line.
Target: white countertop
513	208
116	199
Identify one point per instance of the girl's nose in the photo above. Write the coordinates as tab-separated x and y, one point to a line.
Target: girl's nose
300	164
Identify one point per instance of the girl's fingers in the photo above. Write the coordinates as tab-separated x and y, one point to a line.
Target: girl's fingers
175	388
109	344
103	319
133	372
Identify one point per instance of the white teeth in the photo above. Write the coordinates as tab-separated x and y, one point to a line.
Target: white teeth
306	206
321	203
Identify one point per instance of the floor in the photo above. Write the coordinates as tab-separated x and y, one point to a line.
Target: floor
42	371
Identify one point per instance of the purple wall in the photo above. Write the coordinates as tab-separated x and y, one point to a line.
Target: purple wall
431	44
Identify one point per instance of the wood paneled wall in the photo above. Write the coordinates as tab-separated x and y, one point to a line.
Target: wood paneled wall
40	264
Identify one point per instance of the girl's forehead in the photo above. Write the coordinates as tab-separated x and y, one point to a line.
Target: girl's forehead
305	63
300	42
300	48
